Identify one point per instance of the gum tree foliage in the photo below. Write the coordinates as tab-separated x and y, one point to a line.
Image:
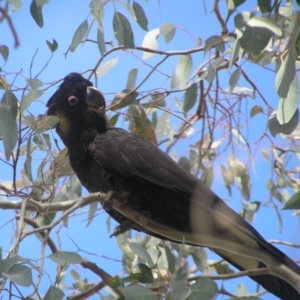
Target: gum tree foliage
200	103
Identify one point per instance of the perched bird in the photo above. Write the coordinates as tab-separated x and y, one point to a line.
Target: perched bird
112	159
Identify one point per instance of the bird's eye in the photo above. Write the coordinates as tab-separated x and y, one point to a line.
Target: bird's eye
73	100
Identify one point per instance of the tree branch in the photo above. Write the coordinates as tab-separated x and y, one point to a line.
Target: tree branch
275	266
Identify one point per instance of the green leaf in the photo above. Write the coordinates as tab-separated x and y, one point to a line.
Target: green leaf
217	62
246	185
168	31
181	291
204	288
208	176
250	210
113	120
66	257
123	99
17	4
1	263
238	134
163	125
138	292
140	15
131	79
200	258
8	124
265	23
255	40
19	274
234	78
264	6
101	42
36	13
4	51
288	105
46	123
3	83
234	54
142	253
54	293
256	109
123	31
29	98
185	163
92	210
34	83
233	4
171	259
190	97
183	69
211	73
147	276
27	164
42	2
79	34
285	74
52	46
275	127
75	276
293	202
103	69
180	275
7	263
240	22
127	6
97	10
174	81
222	268
211	42
150	42
158	99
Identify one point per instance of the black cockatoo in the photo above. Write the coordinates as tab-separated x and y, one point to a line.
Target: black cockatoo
112	159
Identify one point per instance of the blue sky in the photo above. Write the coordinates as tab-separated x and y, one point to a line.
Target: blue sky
61	19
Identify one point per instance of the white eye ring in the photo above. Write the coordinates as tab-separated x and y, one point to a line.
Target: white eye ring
73	100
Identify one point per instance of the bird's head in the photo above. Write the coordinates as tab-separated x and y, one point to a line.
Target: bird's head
79	107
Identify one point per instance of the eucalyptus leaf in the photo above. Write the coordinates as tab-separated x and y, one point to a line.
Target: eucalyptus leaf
138	292
190	98
123	31
66	257
183	69
79	34
131	79
20	275
52	46
142	253
287	106
36	13
101	42
168	31
4	51
140	15
8	124
234	78
54	293
103	69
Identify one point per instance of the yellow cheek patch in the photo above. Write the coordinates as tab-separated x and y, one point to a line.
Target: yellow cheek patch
64	124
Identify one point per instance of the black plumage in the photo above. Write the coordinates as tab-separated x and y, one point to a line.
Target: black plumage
146	179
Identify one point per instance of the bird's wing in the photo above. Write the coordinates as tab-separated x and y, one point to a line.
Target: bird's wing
130	155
